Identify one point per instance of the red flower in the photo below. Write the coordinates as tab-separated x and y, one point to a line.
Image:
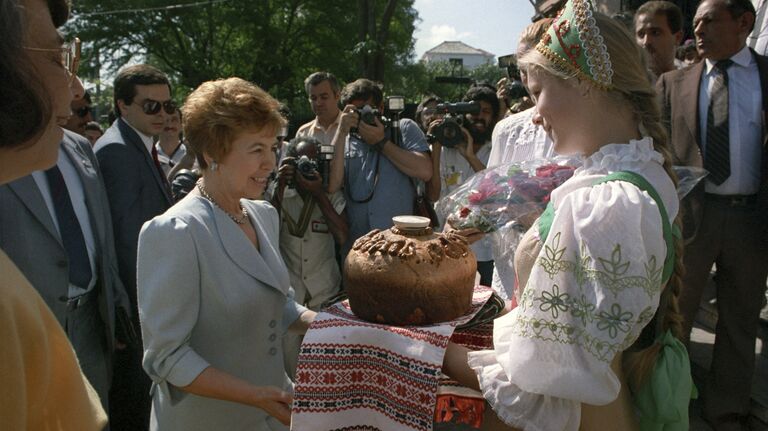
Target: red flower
464	212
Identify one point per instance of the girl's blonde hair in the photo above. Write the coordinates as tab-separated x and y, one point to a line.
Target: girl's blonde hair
631	84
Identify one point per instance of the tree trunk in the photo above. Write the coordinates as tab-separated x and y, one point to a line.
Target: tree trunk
377	70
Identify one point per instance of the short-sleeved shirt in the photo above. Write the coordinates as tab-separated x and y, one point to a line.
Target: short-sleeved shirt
314	129
370	176
311	259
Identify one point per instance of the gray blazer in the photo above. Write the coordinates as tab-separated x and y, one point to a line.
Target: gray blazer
29	237
207	297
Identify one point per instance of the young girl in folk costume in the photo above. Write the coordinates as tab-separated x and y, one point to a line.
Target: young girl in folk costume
593	343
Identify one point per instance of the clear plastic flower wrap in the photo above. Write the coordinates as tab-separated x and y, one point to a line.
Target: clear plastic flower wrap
687	178
509	193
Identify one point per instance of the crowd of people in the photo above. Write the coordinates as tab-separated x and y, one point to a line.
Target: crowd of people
160	273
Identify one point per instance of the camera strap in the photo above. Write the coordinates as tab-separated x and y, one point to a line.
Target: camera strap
373	189
375	178
300	228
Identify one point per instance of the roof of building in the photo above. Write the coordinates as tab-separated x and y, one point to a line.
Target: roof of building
456	47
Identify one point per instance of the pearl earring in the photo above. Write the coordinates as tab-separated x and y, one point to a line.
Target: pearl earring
214	166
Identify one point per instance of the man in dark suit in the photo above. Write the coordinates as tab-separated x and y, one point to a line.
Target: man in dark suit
137	191
55	225
716	114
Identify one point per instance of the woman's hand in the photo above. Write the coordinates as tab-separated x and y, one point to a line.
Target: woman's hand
472	234
301	325
276	402
455	366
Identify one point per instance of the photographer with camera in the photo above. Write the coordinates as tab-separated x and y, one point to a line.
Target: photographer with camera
461	145
426	112
312	222
516	138
374	160
512	94
323	92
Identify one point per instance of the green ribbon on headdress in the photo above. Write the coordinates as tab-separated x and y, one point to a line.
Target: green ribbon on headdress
574	44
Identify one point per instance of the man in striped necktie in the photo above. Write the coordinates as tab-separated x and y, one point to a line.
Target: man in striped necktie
715	111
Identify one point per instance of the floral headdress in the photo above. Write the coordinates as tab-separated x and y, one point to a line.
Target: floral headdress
574	44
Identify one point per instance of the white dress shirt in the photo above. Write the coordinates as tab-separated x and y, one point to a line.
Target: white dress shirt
745	123
147	140
77	196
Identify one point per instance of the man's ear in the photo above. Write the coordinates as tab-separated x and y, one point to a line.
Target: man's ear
678	38
746	23
120	106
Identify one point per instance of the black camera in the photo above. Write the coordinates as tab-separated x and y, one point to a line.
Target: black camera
368	115
448	131
514	86
305	166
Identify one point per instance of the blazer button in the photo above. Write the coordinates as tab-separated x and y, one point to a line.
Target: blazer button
272	337
272	323
273	351
61	264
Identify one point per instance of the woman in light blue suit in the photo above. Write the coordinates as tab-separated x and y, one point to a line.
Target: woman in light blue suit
213	291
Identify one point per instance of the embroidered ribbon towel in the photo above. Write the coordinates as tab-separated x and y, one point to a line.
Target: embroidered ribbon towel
357	375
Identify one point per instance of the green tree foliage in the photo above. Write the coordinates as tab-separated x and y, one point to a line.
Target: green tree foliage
274	43
419	79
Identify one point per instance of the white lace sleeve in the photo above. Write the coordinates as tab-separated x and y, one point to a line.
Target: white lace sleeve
595	285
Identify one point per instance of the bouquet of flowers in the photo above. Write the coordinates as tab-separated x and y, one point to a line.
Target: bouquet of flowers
508	193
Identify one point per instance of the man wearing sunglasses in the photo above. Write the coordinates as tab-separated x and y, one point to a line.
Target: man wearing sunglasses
137	191
81	114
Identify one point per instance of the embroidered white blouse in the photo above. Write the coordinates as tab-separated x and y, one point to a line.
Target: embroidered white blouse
594	286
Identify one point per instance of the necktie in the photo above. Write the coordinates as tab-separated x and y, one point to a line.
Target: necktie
159	168
717	153
69	229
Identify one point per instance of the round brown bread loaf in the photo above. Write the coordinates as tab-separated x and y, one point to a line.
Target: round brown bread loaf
410	277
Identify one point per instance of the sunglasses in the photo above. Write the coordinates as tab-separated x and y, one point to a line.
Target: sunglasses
82	112
152	107
70	56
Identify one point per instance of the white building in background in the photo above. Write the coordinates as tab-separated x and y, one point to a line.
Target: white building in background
459	54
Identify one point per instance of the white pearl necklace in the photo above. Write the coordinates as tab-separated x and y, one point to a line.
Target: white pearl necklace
241	219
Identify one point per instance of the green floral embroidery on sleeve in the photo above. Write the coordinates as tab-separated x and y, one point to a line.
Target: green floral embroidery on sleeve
554	302
552	262
572	316
612	272
614	321
582	309
563	333
653	274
